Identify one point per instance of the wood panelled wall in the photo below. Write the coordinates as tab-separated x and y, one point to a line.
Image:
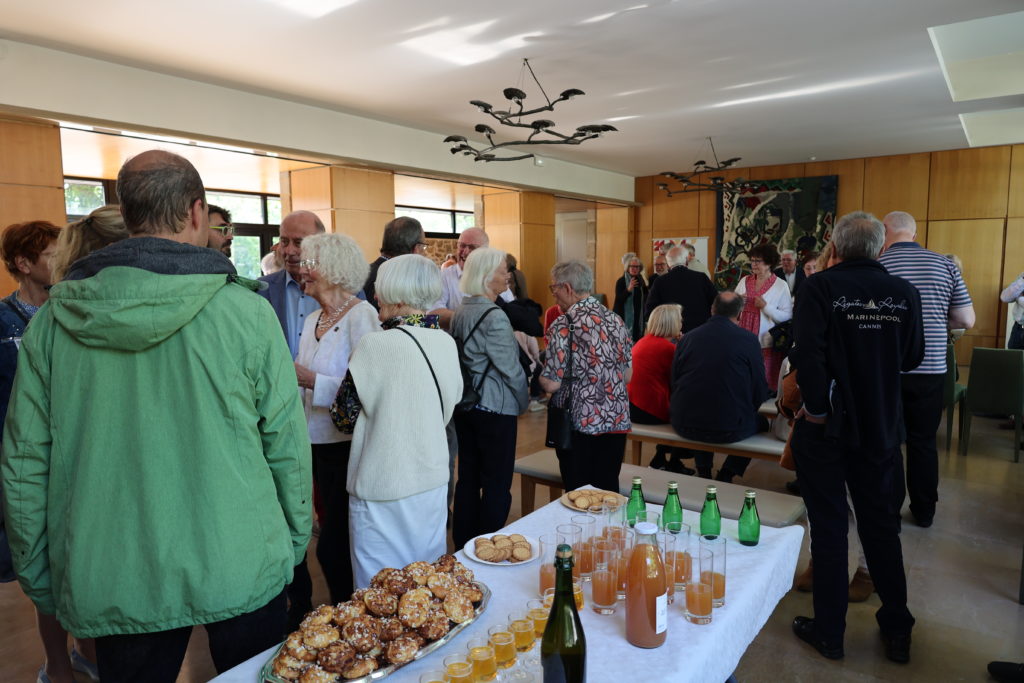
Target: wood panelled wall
969	202
523	224
31	178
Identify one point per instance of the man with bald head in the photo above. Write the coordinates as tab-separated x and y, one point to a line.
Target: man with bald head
945	305
283	289
150	489
470	240
680	285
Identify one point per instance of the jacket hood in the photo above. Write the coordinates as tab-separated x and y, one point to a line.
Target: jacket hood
136	293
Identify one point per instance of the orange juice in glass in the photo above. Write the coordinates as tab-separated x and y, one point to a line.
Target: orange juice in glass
577	592
521	626
583	553
698	591
457	669
573	534
548	544
504	644
538	613
480	653
717	578
603	591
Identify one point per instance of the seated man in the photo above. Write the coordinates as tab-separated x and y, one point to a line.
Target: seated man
718	385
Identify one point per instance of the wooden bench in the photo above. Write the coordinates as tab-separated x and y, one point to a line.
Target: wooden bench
775	509
763	446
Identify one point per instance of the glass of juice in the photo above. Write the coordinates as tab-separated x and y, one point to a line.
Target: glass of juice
625	541
548	544
458	669
577	593
603	581
583	554
667	548
480	654
573	534
698	593
717	546
539	612
433	677
504	644
521	625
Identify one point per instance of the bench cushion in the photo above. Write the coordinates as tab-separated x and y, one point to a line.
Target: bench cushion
763	443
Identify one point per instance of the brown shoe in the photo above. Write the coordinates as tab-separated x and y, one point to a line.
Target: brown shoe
862	586
805	583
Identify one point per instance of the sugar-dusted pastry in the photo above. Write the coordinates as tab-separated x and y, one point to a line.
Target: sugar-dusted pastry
320	637
435	627
362	633
315	674
401	650
390	628
361	666
458	607
445	563
440	583
282	670
419	571
344	611
294	646
380	602
414	607
399	582
336	657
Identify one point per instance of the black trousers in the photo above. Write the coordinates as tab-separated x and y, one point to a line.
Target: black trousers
1016	340
733	464
330	467
594	459
300	595
922	413
487	456
826	468
157	657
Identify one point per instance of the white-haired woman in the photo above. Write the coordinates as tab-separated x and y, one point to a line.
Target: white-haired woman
332	270
486	432
398	471
631	297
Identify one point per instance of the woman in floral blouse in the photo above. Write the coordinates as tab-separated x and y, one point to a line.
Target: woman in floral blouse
595	386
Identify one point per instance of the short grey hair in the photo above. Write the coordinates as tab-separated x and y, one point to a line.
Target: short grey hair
576	274
629	262
787	252
156	191
480	266
900	222
340	260
409	279
858	235
627	257
676	256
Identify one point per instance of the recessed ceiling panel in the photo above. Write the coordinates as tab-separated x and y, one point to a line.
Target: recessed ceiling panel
982	58
986	128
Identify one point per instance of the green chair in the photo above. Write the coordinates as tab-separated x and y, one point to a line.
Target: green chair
955	394
995	386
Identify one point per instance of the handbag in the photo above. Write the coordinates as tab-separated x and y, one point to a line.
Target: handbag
782	337
471	392
559	428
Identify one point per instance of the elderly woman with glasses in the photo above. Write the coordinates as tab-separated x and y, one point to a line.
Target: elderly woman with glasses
487	430
398	471
595	386
767	302
631	296
331	271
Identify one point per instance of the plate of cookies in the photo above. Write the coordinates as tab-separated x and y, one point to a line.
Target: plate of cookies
584	499
502	550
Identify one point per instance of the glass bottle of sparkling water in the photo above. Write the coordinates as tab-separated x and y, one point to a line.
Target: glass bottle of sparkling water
563	647
636	501
710	516
673	510
750	523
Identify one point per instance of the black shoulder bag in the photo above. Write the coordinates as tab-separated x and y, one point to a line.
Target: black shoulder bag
471	392
559	432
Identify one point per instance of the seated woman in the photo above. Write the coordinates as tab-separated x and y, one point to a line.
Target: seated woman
649	389
398	467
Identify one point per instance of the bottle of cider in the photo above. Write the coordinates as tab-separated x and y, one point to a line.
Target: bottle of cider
563	648
646	591
636	501
750	523
710	517
673	510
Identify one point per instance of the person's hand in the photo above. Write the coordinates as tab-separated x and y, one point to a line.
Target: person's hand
760	302
802	414
306	377
631	285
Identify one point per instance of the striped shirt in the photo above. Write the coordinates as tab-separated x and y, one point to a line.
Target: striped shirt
942	289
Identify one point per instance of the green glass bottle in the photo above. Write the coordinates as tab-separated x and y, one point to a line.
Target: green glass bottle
710	516
563	647
750	523
673	510
636	501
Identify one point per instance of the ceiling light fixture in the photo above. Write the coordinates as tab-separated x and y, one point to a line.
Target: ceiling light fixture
514	119
697	180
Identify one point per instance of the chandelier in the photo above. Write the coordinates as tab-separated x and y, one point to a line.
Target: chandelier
698	179
542	131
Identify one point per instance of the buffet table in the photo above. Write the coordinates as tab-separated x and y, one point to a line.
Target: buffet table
758	577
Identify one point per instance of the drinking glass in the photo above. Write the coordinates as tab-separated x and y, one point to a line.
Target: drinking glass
433	677
504	644
698	592
480	653
522	629
539	612
548	546
600	519
625	542
573	534
583	554
717	546
603	581
667	547
577	594
458	669
683	560
649	516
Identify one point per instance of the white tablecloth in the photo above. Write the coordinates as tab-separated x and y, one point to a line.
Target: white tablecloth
758	577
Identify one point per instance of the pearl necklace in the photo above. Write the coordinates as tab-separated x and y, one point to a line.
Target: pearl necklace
325	323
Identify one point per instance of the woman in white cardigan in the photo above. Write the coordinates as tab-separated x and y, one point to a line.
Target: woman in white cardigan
767	302
332	270
402	386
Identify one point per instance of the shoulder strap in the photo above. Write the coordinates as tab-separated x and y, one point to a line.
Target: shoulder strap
479	320
429	365
24	318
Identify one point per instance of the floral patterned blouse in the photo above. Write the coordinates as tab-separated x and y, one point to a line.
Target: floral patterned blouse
601	354
346	407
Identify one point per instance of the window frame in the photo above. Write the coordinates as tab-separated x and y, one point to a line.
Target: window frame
452	213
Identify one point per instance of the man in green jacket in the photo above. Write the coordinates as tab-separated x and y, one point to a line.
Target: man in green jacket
155	457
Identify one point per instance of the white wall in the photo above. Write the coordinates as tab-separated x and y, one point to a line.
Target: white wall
46	82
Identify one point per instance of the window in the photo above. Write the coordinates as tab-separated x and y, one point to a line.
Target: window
82	197
439	222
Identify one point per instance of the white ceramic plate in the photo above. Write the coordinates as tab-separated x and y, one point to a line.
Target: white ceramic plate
470	550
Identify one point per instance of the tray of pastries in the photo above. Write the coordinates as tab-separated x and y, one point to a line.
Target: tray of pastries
404	615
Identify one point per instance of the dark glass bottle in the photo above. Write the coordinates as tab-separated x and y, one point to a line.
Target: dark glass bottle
710	516
563	647
750	523
673	510
636	501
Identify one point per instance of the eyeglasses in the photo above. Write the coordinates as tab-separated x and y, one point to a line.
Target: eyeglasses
422	244
226	230
468	247
756	260
554	287
309	263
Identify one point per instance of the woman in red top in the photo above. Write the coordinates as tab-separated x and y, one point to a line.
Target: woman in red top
649	389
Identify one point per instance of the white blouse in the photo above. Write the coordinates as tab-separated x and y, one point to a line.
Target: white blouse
778	307
328	358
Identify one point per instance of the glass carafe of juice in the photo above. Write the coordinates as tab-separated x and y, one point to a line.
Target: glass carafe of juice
646	591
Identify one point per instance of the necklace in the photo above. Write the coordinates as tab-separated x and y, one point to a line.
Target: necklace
327	321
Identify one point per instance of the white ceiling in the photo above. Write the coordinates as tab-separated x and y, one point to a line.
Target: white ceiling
773	82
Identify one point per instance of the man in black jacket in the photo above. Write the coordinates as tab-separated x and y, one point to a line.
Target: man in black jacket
680	285
855	329
790	270
403	235
718	385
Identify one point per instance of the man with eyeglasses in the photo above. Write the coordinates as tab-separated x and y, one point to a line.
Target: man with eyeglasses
451	296
403	235
221	230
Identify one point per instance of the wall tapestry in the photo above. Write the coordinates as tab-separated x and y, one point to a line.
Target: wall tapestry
792	213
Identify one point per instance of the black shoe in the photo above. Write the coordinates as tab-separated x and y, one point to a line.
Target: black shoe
724	475
897	647
658	462
804	629
1006	672
704	473
793	487
924	519
679	468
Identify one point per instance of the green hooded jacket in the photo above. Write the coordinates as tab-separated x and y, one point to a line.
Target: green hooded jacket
155	460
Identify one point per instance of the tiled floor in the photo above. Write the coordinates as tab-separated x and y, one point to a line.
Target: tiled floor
963	575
